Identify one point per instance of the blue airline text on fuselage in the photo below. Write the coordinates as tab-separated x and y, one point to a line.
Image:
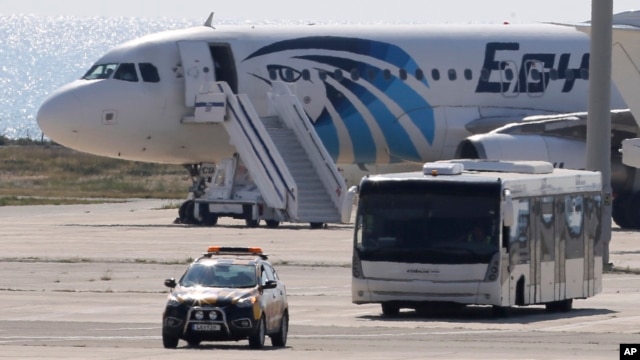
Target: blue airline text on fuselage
534	70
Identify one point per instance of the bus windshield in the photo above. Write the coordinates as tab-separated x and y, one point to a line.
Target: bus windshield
428	227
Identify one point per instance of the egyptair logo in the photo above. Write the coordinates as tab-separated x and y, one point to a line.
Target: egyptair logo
374	93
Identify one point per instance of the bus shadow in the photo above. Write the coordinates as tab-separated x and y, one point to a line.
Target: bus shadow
485	314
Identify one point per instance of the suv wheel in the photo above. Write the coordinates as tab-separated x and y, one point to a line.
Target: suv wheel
256	341
280	338
169	341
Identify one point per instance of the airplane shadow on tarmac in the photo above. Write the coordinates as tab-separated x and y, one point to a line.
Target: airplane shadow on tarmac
485	314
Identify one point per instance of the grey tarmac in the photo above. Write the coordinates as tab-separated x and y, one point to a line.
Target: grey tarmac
86	282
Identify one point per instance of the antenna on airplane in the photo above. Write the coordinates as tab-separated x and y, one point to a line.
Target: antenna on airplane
209	21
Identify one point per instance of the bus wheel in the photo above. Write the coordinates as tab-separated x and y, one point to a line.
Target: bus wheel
551	306
251	223
559	306
500	311
390	310
272	224
565	305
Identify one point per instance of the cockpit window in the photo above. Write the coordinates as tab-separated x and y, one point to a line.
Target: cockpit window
126	72
149	72
100	71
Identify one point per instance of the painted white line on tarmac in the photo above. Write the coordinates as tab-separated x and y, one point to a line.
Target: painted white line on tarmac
468	332
14	339
583	324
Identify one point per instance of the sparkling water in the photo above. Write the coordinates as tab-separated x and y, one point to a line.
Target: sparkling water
39	54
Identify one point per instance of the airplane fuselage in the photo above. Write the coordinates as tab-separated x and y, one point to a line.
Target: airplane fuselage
375	94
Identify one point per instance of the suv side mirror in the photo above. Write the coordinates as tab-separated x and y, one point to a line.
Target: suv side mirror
170	283
271	284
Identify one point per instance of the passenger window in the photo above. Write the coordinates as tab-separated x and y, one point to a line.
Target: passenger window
306	75
535	74
322	75
273	74
484	74
149	73
403	74
508	74
386	74
435	74
338	75
569	75
355	75
419	74
584	74
126	72
452	74
371	74
267	274
270	273
468	74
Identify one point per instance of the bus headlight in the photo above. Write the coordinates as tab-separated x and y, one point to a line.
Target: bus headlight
493	269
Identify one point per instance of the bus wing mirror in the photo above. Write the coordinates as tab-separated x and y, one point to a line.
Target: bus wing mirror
507	209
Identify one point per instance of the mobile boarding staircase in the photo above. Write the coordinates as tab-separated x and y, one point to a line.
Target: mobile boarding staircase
281	171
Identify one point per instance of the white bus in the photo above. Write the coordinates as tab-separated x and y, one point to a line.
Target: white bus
467	232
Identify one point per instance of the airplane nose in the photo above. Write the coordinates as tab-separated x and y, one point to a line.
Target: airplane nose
58	114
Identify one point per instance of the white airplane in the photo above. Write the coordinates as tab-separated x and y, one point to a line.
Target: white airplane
381	98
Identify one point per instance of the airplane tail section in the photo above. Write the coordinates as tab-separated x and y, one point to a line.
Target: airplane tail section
626	65
626	74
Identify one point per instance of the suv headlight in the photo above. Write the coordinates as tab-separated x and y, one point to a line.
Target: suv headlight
246	302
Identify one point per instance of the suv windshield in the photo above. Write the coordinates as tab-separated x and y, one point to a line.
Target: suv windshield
219	275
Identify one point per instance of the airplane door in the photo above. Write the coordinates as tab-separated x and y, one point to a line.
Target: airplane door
509	78
535	78
197	66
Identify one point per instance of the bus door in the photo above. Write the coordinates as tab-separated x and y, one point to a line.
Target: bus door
561	240
573	219
519	254
534	253
592	248
543	222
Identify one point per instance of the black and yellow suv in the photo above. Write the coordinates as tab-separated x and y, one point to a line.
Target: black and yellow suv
227	294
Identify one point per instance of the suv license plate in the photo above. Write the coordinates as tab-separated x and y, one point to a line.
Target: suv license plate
206	327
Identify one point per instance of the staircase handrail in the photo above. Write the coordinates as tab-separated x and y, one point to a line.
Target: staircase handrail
259	153
294	117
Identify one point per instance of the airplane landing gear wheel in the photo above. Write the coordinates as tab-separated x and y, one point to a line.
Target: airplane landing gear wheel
190	215
185	213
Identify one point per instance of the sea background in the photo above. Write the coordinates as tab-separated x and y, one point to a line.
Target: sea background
38	54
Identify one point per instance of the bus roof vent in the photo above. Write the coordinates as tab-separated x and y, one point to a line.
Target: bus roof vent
522	167
442	168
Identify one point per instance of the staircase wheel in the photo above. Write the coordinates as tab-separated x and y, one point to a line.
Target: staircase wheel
316	225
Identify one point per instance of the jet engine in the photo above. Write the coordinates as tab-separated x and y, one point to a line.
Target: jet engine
512	143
